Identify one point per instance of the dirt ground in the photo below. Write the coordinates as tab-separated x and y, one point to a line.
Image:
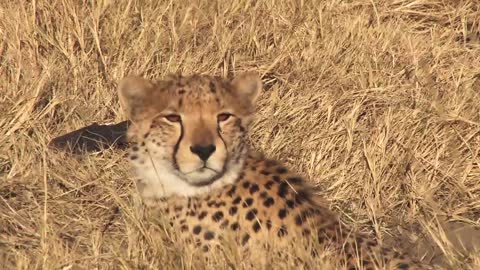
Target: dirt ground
376	102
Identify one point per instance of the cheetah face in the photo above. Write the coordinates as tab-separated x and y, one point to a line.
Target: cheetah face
188	129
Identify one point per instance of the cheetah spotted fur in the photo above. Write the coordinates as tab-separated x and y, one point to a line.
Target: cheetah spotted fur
190	154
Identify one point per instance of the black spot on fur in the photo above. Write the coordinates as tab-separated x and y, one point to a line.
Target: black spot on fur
209	235
237	200
276	178
301	196
211	203
282	213
251	214
181	91
306	232
217	216
254	188
282	231
281	169
265	172
299	220
282	190
290	204
263	195
246	184
205	248
231	191
202	215
178	208
268	202
133	157
305	214
269	224
295	180
224	224
269	184
248	202
197	229
220	204
270	162
256	226
184	228
233	210
245	239
403	266
135	148
235	226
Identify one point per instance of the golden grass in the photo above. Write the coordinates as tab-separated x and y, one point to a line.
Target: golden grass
377	102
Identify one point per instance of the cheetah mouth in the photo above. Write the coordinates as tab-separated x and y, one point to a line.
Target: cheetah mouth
202	170
203	176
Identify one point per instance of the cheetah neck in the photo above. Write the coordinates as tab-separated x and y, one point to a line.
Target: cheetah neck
157	179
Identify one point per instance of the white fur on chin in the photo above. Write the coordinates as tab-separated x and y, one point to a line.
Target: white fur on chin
158	179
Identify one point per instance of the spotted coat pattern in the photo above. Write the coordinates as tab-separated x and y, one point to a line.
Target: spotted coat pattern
260	200
268	201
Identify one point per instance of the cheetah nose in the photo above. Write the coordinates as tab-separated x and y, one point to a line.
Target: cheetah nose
203	151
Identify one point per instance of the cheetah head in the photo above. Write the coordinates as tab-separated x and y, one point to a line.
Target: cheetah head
188	132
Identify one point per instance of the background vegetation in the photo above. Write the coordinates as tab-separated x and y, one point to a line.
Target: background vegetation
377	102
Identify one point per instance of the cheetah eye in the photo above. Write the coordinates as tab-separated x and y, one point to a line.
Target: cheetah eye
174	118
223	117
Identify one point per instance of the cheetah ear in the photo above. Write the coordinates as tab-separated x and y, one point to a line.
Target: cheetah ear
247	86
134	93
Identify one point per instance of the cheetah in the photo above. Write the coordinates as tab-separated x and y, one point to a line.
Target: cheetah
190	155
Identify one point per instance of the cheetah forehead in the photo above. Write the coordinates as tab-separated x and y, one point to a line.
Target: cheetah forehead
199	93
143	98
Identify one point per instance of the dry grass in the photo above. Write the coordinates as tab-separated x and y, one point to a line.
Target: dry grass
378	102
